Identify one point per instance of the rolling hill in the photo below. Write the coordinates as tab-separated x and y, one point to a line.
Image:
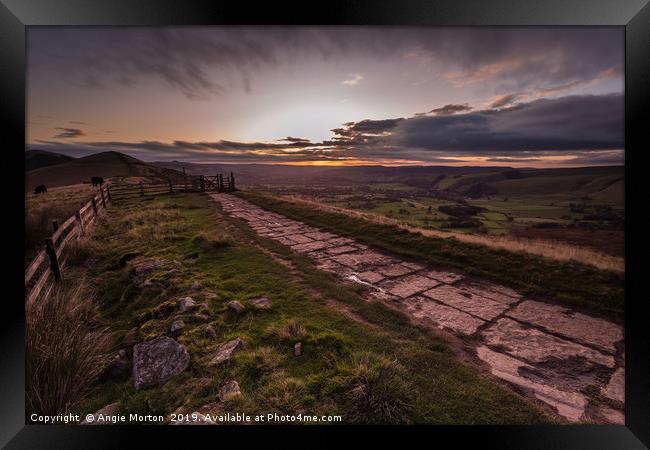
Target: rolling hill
106	164
35	159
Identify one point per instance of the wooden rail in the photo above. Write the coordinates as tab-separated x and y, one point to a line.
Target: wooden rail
47	267
189	183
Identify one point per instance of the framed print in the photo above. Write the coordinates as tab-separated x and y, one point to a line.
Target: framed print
363	217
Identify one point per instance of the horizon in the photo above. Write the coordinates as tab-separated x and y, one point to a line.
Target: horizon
330	96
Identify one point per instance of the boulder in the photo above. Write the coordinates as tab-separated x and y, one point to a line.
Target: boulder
155	361
177	326
226	351
210	332
186	304
229	391
104	416
261	303
236	307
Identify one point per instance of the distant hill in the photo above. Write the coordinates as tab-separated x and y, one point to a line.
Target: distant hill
35	159
106	164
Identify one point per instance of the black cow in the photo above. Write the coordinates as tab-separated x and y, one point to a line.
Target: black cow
97	181
40	189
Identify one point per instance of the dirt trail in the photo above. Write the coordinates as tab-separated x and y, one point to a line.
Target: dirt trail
571	361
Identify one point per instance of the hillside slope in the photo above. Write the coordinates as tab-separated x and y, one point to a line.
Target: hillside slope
105	164
35	159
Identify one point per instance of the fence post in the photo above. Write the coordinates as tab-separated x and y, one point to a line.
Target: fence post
141	189
54	261
101	191
184	180
92	200
79	221
220	182
201	183
108	192
55	225
232	181
171	186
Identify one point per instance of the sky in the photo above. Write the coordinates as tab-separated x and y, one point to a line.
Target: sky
504	96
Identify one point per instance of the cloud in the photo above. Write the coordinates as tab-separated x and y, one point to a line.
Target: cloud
75	122
504	100
68	133
355	78
451	109
566	123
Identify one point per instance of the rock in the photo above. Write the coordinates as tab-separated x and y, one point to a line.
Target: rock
177	326
155	361
236	307
201	317
210	295
147	283
186	304
145	266
197	286
229	391
297	349
262	303
119	367
104	416
195	418
226	351
128	257
210	332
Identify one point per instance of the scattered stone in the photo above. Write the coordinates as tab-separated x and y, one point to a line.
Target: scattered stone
297	349
210	332
195	418
155	361
261	303
210	295
104	416
145	266
229	391
226	351
186	304
370	277
236	307
573	325
197	286
615	389
177	326
147	282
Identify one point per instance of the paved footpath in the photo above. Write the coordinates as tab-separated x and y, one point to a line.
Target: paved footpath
544	349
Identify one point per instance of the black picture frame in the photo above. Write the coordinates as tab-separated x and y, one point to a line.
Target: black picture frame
16	15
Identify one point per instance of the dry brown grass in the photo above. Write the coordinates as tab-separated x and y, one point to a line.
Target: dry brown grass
549	249
66	350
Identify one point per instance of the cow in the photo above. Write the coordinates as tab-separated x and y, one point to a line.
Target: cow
40	189
97	181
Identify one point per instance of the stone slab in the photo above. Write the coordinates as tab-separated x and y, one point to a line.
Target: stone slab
615	389
395	270
481	307
445	277
444	316
411	285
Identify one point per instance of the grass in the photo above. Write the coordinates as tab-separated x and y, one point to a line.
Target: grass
67	349
369	365
567	282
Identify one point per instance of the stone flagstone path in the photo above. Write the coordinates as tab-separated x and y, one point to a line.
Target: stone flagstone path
550	351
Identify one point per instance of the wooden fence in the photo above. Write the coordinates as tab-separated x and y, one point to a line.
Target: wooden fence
47	266
189	183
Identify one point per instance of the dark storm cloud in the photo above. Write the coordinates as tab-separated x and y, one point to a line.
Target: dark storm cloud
567	123
451	109
68	133
202	62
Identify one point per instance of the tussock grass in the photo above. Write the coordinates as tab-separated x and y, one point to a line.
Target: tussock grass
207	241
66	350
547	248
374	389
